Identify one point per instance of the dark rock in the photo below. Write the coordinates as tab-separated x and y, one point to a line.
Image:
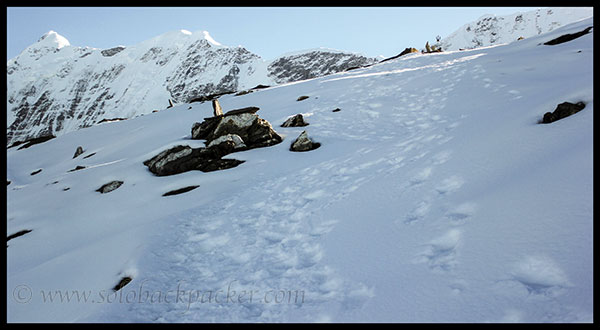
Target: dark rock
336	110
260	86
180	191
295	121
303	97
404	52
66	188
568	37
36	172
181	159
108	187
211	165
563	110
123	282
90	155
242	110
112	51
77	168
78	152
7	182
254	131
30	142
106	120
304	143
170	104
17	234
209	97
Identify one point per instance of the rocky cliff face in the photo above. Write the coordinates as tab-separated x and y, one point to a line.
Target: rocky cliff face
54	88
491	30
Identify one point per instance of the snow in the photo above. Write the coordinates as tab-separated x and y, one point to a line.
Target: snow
435	197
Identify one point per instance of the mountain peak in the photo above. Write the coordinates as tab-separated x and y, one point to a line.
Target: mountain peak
54	40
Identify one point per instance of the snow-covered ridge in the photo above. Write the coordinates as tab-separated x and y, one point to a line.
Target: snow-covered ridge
491	30
54	88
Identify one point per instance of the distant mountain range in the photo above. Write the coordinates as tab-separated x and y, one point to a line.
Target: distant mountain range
54	88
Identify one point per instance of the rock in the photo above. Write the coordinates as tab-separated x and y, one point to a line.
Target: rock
107	120
295	121
304	143
303	97
336	110
181	159
66	188
568	37
7	182
123	282
35	172
242	110
34	141
235	142
17	234
217	110
563	110
254	131
180	191
77	168
108	187
90	155
170	104
78	152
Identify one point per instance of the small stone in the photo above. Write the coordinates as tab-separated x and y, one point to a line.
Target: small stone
78	152
108	187
304	143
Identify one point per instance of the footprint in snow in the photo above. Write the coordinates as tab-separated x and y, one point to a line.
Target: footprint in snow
449	185
441	252
540	275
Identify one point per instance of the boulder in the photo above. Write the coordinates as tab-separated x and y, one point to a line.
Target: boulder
563	110
78	152
295	121
303	97
232	140
304	143
255	132
108	187
336	110
35	172
217	110
77	168
181	159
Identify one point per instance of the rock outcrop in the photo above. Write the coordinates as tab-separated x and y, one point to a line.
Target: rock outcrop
563	110
304	143
295	121
108	187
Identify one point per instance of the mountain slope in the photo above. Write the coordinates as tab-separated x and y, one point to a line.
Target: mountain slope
54	88
492	30
435	197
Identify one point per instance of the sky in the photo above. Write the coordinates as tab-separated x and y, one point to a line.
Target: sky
266	31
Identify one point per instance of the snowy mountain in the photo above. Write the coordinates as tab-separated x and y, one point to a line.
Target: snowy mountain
492	30
55	88
435	196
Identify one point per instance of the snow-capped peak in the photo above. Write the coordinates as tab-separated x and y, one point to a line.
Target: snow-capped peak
53	40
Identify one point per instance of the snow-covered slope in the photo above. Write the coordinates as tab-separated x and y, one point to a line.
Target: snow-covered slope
435	197
55	88
492	30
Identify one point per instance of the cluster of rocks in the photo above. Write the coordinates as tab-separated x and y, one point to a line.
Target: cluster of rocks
233	131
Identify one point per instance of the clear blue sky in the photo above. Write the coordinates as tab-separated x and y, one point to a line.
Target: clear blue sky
265	31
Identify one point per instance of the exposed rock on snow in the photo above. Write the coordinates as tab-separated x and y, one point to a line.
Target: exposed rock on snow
255	132
78	152
233	139
568	37
304	143
301	98
123	282
77	168
295	121
34	141
180	191
36	172
17	234
108	187
181	159
562	110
